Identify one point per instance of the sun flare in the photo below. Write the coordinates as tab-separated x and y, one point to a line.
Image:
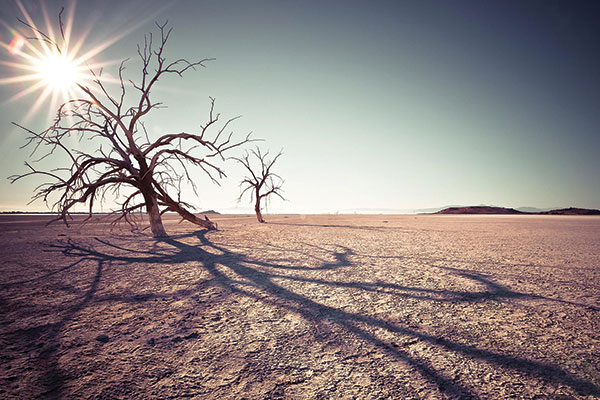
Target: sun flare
49	63
59	72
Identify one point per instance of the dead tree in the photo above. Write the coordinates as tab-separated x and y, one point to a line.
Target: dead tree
141	172
262	182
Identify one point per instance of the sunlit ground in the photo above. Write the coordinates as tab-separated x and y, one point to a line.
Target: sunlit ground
366	307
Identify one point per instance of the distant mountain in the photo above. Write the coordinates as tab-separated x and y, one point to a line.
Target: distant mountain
435	209
503	210
572	211
479	210
209	212
534	209
524	209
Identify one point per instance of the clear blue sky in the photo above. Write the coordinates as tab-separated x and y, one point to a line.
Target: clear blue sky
377	104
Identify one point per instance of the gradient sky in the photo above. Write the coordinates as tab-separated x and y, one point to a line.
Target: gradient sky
377	104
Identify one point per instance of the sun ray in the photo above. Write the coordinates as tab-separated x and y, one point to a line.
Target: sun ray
38	103
38	35
53	104
30	47
20	53
83	37
27	91
49	30
25	67
68	94
24	42
102	46
69	25
29	58
109	79
103	64
20	78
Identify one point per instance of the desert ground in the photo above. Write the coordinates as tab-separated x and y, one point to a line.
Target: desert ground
303	307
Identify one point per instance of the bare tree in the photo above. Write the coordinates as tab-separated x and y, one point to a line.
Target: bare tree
262	182
140	172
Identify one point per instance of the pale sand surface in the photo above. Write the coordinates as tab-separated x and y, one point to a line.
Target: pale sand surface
303	307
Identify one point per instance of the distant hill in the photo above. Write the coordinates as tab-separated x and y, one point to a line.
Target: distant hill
479	210
503	210
435	209
572	211
209	212
534	209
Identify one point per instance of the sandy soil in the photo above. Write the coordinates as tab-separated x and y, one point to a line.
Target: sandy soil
315	307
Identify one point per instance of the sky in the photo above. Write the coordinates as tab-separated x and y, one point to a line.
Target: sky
377	105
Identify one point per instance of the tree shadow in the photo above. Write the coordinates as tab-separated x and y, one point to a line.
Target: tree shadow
241	274
52	380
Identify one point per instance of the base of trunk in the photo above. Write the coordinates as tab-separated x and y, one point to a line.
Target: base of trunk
159	234
259	216
156	225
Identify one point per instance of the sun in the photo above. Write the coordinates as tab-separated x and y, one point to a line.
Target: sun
50	62
59	72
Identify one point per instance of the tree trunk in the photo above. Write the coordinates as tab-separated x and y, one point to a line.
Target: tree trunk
257	210
156	225
188	216
154	213
174	206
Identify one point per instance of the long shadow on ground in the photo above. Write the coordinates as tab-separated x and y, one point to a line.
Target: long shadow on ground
253	274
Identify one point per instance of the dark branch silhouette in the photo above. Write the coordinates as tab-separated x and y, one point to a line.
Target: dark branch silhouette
143	174
262	181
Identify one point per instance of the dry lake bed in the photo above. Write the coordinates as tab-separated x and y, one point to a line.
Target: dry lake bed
303	307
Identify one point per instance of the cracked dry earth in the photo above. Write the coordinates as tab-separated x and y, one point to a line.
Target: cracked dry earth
303	307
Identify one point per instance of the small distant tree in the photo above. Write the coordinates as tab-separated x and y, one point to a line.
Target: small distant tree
140	172
262	181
